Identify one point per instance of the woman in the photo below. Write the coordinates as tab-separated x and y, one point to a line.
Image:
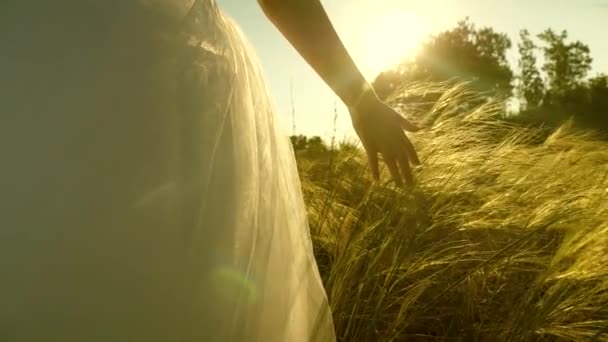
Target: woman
148	193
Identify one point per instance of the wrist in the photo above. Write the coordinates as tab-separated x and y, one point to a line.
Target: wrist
364	94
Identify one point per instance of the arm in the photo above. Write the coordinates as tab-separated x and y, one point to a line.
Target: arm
307	27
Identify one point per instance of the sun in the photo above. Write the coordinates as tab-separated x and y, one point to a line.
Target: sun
388	38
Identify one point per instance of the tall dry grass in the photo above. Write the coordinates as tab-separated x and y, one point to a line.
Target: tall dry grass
503	238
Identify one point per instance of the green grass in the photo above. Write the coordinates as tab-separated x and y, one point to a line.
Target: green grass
503	238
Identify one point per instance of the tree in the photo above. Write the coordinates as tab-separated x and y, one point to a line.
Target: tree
567	93
464	53
313	145
595	114
531	88
566	64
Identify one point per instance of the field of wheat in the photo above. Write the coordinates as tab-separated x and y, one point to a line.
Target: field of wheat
504	237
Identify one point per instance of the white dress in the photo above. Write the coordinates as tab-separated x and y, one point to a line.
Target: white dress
148	192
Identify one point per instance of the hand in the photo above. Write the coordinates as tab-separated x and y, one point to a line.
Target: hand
381	130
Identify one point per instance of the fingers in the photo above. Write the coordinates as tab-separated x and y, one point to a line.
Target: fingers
391	163
372	156
404	165
405	155
410	150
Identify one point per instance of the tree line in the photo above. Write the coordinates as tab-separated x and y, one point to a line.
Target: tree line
551	83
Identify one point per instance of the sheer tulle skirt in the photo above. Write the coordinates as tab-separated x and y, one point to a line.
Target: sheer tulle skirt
149	193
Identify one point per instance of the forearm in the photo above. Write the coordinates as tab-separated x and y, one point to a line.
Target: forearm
307	27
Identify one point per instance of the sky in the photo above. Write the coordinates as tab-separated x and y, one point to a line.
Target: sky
380	33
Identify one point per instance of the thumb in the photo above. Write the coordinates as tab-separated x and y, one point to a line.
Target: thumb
407	124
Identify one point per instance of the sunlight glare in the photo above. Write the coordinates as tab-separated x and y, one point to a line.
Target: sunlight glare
388	38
